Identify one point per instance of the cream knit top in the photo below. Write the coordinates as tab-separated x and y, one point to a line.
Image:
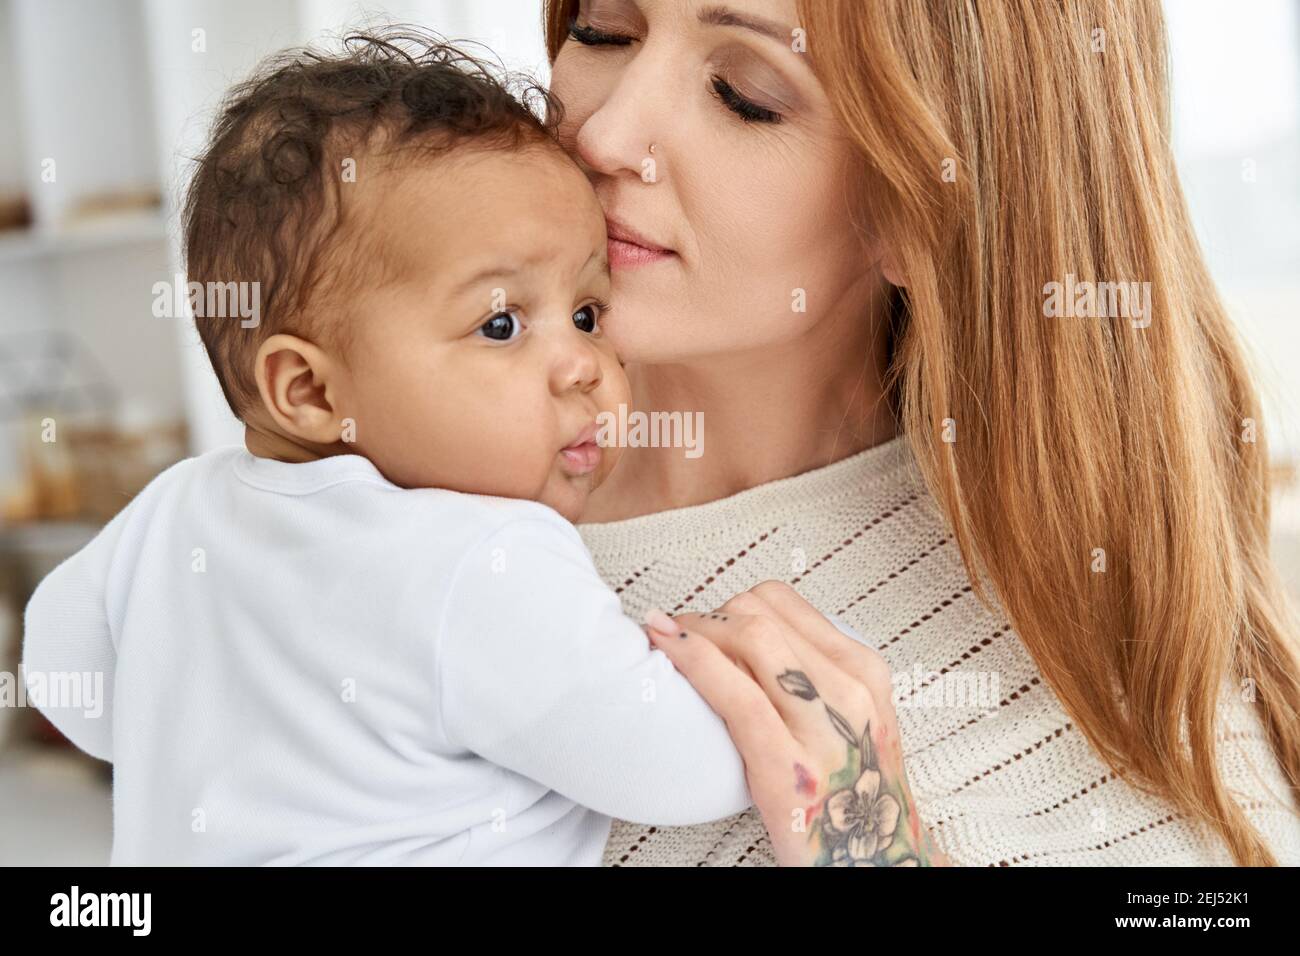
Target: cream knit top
1001	775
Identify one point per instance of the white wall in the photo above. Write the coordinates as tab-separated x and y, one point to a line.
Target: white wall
1236	84
73	88
512	29
80	62
196	50
11	164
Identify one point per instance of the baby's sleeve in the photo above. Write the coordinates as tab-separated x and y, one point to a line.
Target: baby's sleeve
67	637
541	672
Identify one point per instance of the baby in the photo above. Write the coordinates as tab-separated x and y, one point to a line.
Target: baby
373	636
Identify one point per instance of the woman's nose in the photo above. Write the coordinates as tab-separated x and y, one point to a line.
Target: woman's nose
616	137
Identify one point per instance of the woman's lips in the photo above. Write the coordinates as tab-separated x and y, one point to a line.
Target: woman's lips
628	249
628	255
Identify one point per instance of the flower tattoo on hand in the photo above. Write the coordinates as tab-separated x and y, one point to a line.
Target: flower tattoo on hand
859	821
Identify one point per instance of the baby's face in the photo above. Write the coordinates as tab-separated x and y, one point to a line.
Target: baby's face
480	365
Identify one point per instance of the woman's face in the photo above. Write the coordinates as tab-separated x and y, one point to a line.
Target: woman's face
745	191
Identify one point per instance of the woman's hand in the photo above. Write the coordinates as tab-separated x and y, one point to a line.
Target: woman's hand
811	712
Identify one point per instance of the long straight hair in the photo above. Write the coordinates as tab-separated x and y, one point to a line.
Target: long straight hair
1106	478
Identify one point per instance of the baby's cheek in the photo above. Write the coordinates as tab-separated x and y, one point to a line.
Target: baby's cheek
566	495
615	386
609	459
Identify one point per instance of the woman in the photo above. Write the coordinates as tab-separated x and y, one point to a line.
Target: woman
843	232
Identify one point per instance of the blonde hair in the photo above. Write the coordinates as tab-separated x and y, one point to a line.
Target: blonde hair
1004	146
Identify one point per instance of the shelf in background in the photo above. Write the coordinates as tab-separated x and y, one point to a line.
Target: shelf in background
90	235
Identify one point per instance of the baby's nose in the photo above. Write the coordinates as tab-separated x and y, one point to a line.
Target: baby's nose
578	367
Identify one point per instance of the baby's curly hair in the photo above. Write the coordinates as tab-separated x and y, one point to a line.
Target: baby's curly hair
267	201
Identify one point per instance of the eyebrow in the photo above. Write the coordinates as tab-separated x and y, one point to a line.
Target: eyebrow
491	272
506	272
720	16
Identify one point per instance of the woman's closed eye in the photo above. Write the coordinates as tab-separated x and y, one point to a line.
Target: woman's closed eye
590	36
746	109
741	106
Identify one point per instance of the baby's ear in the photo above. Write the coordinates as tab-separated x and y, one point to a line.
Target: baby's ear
298	382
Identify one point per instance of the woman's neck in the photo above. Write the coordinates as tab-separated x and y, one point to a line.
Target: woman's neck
766	414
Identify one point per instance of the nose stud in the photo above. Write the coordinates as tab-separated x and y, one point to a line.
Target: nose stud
652	148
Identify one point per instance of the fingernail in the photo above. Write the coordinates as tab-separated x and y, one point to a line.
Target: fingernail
661	622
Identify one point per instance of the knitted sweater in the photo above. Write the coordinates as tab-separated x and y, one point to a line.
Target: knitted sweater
1000	773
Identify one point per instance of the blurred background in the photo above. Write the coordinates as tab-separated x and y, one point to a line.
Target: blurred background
104	102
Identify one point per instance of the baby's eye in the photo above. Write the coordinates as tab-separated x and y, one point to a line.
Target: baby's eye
502	327
586	317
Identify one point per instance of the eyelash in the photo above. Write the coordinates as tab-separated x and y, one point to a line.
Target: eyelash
488	321
600	305
749	112
602	309
590	36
